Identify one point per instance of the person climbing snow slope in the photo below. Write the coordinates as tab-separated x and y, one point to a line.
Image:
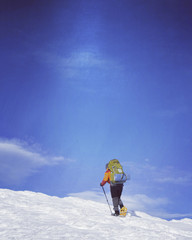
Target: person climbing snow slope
116	185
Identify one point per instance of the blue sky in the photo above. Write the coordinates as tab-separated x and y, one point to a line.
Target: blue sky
83	82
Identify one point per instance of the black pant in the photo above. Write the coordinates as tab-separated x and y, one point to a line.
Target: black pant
116	191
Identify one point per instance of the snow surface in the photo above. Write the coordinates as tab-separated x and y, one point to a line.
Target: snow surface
28	215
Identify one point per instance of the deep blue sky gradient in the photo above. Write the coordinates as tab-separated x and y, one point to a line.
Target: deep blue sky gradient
96	80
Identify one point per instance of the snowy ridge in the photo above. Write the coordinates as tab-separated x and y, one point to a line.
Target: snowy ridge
28	215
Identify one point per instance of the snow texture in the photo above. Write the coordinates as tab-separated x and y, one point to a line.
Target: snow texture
28	215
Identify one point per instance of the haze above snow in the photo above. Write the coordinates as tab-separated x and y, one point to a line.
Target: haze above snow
28	215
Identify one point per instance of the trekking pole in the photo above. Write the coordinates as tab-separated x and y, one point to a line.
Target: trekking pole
106	199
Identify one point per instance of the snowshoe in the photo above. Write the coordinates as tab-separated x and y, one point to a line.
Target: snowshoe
123	211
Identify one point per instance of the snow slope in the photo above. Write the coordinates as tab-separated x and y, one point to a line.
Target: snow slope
28	215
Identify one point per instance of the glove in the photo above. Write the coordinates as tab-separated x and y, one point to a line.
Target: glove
101	184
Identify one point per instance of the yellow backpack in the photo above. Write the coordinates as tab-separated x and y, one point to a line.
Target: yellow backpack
117	174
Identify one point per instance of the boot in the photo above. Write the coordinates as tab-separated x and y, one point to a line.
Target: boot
116	213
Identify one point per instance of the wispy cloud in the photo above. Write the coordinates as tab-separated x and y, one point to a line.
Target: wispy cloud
79	58
82	59
166	174
78	63
182	180
171	175
18	160
171	113
85	69
143	202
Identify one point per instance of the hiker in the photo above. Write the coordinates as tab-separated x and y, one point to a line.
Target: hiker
115	189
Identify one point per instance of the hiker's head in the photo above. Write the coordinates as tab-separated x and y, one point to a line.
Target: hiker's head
106	166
